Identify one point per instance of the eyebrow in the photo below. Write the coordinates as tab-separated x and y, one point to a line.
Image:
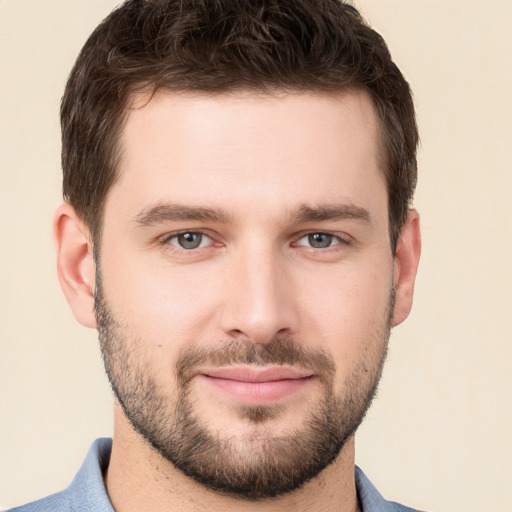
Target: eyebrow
332	212
168	212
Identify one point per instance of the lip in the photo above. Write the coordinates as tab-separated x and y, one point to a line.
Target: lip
256	386
256	374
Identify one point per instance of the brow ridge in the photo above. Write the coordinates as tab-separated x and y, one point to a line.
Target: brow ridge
322	213
167	212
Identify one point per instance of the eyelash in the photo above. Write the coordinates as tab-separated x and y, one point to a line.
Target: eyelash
337	238
167	240
339	241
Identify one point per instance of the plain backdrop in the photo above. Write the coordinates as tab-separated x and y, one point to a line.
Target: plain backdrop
439	435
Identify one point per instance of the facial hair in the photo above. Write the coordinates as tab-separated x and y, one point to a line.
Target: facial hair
260	464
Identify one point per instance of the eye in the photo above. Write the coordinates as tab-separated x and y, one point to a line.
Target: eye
189	240
319	240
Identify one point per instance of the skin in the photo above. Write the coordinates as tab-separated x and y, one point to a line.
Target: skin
260	159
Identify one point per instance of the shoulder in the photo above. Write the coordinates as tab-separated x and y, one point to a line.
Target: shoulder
86	493
396	507
56	503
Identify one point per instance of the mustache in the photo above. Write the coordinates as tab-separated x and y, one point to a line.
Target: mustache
278	351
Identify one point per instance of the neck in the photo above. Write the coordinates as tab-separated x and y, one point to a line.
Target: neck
138	478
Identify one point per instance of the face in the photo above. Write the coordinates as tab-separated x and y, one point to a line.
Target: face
245	282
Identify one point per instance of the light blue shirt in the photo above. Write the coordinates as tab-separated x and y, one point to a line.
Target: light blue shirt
87	492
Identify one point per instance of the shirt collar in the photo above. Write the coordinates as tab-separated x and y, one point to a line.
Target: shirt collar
87	490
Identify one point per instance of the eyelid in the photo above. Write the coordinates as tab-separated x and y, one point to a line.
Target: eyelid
342	238
166	239
341	241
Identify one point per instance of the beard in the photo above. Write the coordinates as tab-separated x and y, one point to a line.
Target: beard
258	464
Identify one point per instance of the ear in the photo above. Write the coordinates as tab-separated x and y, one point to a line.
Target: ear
406	261
75	263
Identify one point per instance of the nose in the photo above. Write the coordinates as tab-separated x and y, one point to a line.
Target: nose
260	299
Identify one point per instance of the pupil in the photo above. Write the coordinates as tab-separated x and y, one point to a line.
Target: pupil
320	240
190	240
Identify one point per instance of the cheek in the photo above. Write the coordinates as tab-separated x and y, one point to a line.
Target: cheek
347	311
167	307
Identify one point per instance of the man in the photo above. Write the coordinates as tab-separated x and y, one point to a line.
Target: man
237	226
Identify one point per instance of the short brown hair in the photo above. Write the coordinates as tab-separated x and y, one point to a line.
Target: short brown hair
218	46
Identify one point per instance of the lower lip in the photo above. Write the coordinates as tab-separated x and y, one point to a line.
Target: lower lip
258	393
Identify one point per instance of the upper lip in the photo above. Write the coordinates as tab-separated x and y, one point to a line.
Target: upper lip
256	374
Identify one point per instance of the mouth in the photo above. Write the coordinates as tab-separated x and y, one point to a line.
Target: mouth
257	386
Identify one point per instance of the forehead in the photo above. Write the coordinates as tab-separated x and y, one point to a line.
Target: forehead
243	148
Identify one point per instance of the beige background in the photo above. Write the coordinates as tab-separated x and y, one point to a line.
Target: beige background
439	435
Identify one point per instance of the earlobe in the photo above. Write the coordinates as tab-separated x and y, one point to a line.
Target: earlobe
75	263
405	266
